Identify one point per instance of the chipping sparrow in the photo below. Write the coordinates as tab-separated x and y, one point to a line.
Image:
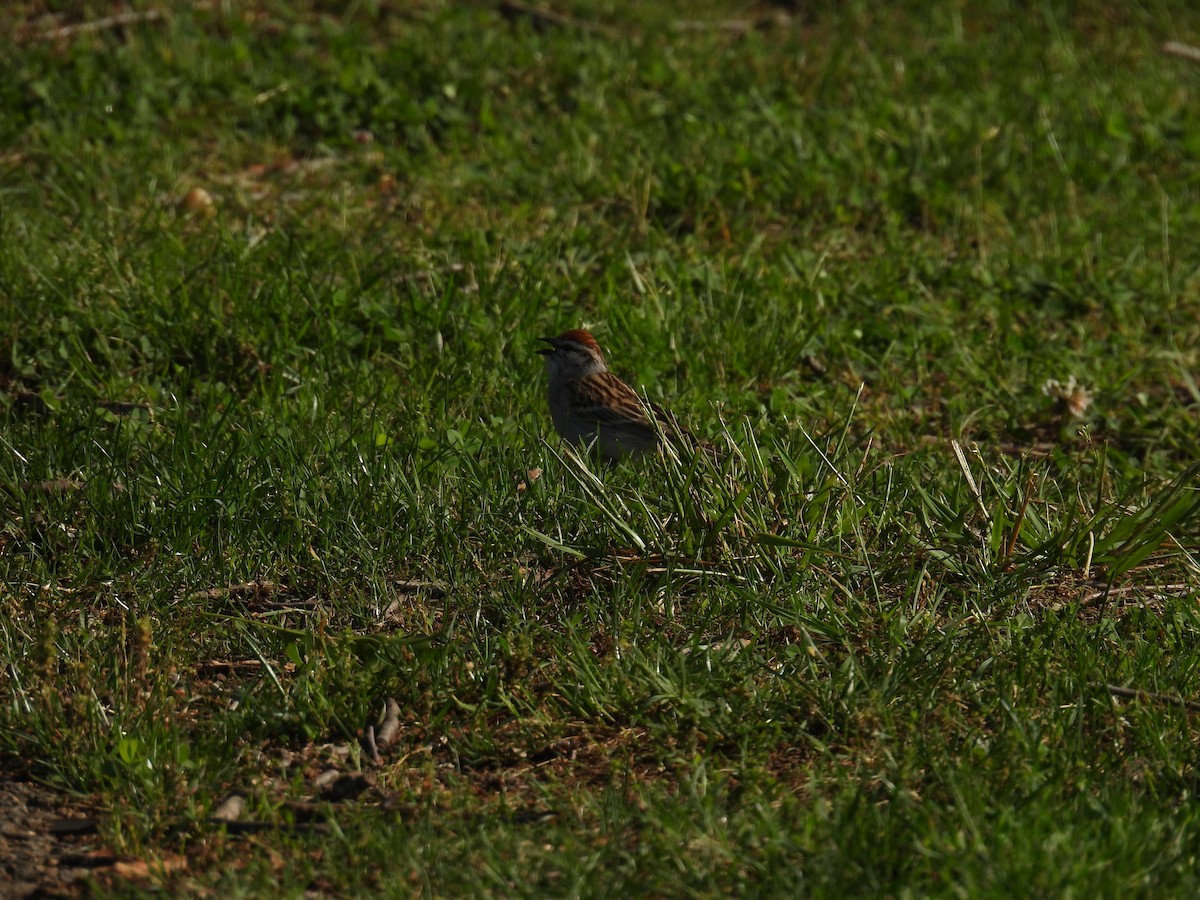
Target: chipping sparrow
592	406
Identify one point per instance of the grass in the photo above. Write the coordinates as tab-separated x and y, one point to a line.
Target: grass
870	653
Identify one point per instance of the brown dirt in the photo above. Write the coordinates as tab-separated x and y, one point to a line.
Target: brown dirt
48	841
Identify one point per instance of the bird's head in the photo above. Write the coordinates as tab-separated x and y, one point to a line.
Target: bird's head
573	354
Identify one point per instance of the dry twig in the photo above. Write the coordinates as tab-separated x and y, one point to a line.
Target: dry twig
1152	697
117	21
1184	51
416	586
732	26
371	747
545	18
248	589
390	727
1177	589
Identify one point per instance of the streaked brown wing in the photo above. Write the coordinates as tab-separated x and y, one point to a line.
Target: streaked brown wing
608	402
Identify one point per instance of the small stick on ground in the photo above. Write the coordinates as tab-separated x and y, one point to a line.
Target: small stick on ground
68	827
390	727
1178	589
417	586
736	26
732	26
54	485
1152	697
371	747
117	21
815	365
230	812
253	589
1184	51
545	18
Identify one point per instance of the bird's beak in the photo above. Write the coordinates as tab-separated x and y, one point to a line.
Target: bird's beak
548	350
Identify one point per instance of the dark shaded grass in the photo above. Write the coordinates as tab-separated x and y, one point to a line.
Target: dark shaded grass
847	660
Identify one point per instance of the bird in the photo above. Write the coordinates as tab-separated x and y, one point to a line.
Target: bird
590	406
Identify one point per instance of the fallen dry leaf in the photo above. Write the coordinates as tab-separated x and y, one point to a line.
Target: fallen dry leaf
145	868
